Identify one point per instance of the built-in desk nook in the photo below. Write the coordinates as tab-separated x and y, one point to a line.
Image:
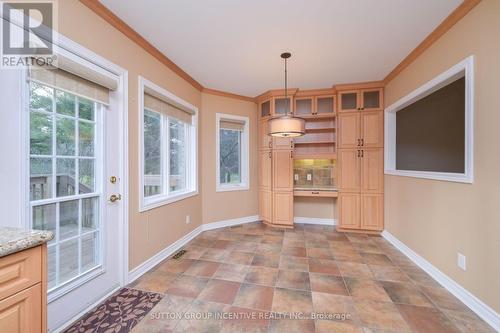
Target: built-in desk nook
337	164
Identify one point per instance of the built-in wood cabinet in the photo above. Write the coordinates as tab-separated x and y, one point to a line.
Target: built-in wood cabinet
360	100
343	123
361	129
23	291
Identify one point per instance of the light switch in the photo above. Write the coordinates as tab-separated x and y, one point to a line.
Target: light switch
309	176
296	176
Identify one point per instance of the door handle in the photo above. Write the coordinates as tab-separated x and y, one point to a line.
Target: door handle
115	197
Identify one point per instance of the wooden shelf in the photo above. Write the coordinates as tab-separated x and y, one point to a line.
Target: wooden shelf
320	130
332	156
312	143
313	193
317	116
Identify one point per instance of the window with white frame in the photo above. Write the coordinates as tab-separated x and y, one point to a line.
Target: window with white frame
169	147
429	132
232	152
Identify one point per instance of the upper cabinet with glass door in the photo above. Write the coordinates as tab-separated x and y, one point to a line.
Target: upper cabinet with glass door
265	109
282	105
314	106
360	100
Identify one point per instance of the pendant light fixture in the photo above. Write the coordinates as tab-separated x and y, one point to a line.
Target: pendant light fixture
286	126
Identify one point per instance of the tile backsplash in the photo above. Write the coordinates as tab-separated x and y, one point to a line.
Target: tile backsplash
315	174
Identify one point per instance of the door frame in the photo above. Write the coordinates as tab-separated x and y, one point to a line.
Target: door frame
67	47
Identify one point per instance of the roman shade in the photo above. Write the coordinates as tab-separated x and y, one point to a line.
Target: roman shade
232	124
75	78
155	104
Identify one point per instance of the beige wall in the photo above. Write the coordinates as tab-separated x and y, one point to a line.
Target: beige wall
437	219
219	206
151	231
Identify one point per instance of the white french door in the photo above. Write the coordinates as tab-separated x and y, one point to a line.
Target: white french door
73	168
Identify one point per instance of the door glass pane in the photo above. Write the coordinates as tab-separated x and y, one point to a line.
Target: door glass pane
51	269
65	136
86	139
86	175
349	101
86	108
152	153
89	214
44	218
65	177
325	105
303	106
265	109
371	99
68	260
40	178
41	97
230	156
177	158
89	251
69	160
40	133
65	103
68	219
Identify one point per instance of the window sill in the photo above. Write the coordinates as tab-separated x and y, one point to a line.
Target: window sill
229	188
154	202
443	176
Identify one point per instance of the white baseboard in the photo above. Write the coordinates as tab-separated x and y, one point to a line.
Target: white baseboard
475	304
230	223
177	245
160	256
314	220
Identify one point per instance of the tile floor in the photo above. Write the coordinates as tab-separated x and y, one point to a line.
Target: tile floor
260	275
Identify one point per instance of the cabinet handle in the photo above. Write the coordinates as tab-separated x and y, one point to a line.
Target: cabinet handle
270	155
359	153
291	154
359	143
362	153
270	143
291	144
362	142
315	192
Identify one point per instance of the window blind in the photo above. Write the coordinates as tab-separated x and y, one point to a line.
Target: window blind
75	78
155	104
232	124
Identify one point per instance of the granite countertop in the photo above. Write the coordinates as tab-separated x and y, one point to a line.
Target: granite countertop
13	240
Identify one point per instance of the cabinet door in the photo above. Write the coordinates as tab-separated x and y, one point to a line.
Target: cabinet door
372	170
348	101
282	106
372	211
283	208
265	109
22	312
349	171
282	143
349	210
372	129
265	170
282	165
325	105
372	99
264	139
265	205
349	129
304	106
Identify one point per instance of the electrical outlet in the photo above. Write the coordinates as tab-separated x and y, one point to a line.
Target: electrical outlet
188	219
296	176
309	176
462	260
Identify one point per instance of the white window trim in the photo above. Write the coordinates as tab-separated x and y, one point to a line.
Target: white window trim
147	203
245	156
465	66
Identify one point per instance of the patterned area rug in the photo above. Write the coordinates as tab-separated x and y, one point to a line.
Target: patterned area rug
119	313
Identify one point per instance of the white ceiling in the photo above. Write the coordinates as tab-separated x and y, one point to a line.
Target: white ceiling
235	45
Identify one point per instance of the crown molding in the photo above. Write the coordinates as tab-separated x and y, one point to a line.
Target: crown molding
441	29
229	95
